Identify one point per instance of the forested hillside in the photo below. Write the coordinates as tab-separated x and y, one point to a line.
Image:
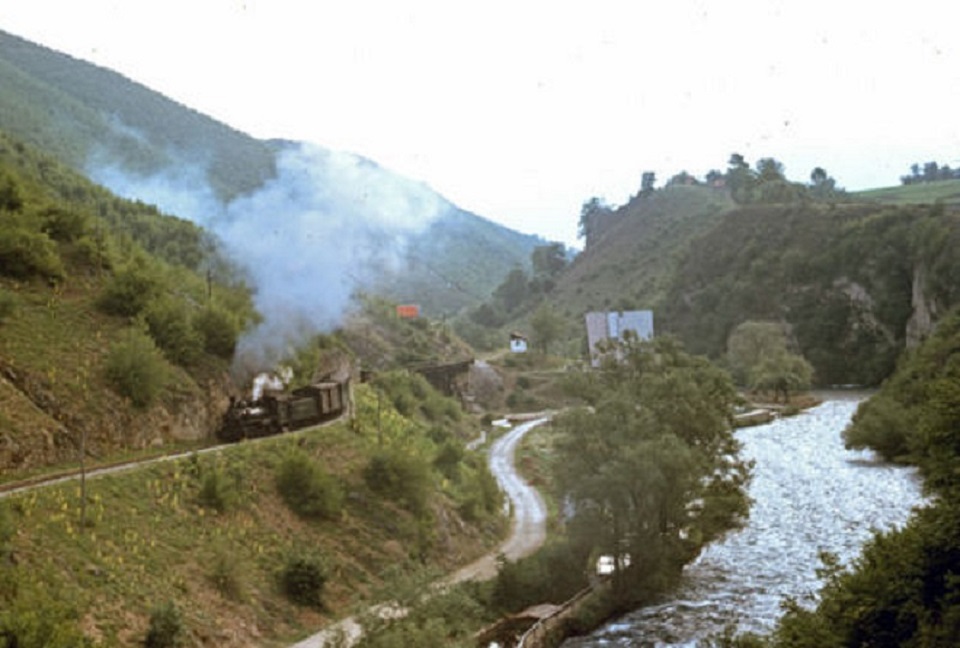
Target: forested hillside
851	281
146	147
118	323
854	282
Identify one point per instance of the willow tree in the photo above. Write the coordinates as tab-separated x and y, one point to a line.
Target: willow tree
650	466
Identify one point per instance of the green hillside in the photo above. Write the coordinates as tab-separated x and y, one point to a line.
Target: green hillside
77	111
855	283
630	263
131	138
116	319
944	191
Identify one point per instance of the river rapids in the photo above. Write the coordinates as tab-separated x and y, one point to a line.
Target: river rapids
809	495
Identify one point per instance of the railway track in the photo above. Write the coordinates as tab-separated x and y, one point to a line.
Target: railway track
42	481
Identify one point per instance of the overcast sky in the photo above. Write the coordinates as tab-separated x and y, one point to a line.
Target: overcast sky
521	111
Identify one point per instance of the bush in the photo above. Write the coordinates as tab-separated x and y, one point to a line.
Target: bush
166	627
302	580
448	459
880	424
307	489
217	330
8	305
63	224
169	325
227	573
135	368
217	491
131	290
401	476
25	254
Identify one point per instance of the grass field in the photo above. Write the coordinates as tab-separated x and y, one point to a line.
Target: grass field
946	191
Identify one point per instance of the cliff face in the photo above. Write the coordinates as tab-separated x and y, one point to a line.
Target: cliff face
856	283
925	310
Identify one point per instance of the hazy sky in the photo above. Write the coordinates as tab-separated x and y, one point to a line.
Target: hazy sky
521	111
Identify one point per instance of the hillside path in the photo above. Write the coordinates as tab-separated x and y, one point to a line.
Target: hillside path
529	530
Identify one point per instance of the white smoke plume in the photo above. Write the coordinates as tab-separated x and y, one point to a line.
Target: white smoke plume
328	223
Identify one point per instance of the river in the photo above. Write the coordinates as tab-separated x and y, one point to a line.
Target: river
809	495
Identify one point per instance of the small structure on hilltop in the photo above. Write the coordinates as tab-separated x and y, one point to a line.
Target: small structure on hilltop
605	326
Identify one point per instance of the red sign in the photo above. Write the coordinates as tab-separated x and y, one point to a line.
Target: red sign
408	311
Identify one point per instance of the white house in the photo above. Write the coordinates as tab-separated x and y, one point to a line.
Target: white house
603	326
518	343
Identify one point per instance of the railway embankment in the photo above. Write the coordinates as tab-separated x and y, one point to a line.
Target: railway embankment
213	537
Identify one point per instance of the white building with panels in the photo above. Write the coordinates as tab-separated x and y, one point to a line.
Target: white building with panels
612	326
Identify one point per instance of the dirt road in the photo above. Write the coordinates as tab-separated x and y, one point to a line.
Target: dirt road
529	511
528	533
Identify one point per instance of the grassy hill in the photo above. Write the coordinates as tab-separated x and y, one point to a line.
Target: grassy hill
944	191
117	326
629	266
85	280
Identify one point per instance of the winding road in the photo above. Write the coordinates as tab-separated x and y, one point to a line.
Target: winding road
529	512
526	536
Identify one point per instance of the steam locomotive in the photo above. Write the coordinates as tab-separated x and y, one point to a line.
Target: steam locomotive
275	413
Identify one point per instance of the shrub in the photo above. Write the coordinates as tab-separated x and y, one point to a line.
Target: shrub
11	193
25	253
63	224
135	368
166	627
169	325
302	580
217	330
131	290
91	252
307	489
401	476
8	305
226	573
448	459
217	491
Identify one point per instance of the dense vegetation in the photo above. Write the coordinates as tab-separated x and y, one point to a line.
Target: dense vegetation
650	466
110	308
846	279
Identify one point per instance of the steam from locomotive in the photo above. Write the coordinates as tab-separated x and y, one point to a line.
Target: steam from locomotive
326	224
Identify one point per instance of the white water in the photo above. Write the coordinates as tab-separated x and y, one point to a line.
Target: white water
810	495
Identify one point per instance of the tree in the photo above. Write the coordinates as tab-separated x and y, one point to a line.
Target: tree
740	178
822	186
770	170
758	356
818	176
592	216
548	261
647	181
546	325
513	290
650	468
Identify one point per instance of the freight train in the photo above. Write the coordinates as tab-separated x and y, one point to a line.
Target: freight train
275	413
